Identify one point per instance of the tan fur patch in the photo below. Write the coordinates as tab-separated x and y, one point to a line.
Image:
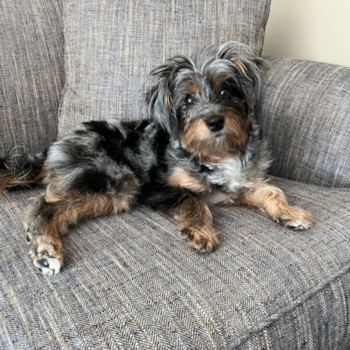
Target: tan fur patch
198	139
10	180
198	130
91	205
273	201
52	197
70	207
180	178
168	100
197	136
56	196
236	128
7	181
193	89
216	85
242	68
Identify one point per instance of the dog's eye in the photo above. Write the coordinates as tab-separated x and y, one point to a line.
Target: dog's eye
189	100
225	93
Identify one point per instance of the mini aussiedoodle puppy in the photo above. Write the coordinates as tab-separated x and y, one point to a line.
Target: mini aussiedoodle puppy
199	147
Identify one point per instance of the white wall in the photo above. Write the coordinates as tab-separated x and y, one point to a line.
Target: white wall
316	30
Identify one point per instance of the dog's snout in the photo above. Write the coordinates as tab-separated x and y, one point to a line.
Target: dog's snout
215	123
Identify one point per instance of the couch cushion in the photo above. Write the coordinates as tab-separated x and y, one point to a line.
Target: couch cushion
305	111
31	73
111	46
130	282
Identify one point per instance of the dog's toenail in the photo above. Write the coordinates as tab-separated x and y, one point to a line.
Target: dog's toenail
45	252
291	227
28	229
37	251
44	262
40	269
27	238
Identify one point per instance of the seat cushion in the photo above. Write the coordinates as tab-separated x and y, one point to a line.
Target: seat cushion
31	73
111	46
130	282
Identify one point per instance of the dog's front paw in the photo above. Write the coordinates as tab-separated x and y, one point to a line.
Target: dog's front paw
203	239
295	219
46	253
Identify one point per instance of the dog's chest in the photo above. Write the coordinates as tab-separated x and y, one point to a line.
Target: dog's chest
229	174
230	177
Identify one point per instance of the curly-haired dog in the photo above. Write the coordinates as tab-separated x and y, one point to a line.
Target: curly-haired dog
200	146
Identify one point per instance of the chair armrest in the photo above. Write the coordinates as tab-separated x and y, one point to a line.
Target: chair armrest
304	109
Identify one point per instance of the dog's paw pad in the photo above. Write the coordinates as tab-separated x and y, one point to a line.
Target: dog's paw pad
298	227
48	266
296	219
47	255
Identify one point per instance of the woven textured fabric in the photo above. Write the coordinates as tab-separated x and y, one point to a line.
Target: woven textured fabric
305	111
31	72
111	46
130	282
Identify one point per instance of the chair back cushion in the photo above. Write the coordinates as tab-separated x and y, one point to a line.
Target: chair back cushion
111	46
31	73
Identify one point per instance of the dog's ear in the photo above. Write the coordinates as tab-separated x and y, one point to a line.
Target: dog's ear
159	100
243	64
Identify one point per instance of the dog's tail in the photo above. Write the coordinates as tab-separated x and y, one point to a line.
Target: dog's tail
20	169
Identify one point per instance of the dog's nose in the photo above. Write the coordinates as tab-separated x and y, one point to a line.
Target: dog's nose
216	122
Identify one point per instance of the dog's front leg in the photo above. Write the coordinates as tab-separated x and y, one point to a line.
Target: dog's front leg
196	224
273	201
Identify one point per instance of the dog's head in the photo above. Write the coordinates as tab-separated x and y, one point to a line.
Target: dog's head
206	102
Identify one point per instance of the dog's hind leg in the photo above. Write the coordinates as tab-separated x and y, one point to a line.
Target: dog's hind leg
51	214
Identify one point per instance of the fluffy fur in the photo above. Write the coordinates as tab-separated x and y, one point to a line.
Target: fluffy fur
199	146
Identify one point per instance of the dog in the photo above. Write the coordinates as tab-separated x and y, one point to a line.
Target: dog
200	146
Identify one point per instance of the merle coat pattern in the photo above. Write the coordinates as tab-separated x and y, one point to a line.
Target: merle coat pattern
200	146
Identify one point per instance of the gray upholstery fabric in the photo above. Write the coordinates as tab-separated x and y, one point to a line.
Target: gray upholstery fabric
111	46
31	72
305	111
130	282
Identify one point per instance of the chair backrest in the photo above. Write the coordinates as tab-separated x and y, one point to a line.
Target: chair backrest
31	73
111	46
304	110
